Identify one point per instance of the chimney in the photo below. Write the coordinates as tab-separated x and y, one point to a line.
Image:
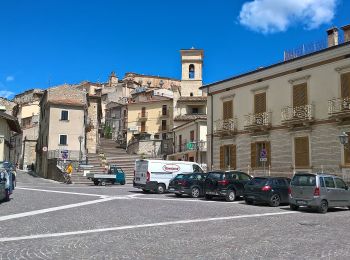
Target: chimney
346	30
332	36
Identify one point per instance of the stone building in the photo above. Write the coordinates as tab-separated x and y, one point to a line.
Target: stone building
63	126
8	105
286	117
27	111
8	126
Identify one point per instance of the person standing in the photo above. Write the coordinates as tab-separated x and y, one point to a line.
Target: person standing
69	172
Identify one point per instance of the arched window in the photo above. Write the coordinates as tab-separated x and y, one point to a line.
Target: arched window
191	71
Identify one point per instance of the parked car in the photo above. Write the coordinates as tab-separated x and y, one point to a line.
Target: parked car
271	190
155	175
229	185
188	184
318	191
4	185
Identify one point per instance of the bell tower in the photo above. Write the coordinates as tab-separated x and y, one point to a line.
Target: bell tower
191	78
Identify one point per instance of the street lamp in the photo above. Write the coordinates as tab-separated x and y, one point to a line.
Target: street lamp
344	140
80	138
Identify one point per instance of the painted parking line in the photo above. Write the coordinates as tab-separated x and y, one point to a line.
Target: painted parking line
64	192
69	206
128	227
187	200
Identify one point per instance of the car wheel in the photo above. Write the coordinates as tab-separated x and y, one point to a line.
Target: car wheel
195	192
103	183
230	196
178	194
275	200
249	202
160	188
96	183
323	208
122	183
208	197
293	207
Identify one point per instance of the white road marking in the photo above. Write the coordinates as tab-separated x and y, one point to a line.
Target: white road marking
169	223
187	200
64	192
69	206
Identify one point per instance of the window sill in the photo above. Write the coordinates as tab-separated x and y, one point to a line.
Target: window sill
62	144
61	120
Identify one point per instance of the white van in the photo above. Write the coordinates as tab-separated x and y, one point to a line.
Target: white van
155	175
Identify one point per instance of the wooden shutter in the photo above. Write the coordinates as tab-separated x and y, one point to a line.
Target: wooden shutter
222	157
345	85
233	157
347	153
143	126
253	155
300	95
192	136
301	146
260	103
227	109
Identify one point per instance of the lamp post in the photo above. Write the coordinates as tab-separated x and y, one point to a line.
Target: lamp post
80	138
344	140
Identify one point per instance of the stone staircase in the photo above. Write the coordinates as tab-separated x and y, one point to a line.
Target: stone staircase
114	155
118	156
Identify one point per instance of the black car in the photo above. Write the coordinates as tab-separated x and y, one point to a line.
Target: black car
189	184
271	190
229	185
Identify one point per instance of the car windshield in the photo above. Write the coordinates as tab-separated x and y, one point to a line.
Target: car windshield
181	176
258	181
304	180
216	176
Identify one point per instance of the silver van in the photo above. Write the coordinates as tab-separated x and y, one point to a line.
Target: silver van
318	191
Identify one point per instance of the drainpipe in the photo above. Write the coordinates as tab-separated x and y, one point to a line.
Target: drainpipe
211	131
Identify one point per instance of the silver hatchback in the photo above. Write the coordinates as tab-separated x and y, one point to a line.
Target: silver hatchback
318	191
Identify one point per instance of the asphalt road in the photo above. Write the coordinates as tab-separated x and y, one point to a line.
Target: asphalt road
48	220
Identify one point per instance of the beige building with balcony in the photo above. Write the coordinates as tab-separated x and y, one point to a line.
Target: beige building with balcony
190	142
8	126
286	117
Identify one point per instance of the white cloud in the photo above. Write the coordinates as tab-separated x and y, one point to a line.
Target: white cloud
6	93
10	78
270	16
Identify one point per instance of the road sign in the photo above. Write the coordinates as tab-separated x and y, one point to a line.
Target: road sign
263	153
263	159
64	154
190	146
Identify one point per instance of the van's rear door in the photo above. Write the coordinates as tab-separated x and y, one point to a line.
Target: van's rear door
141	168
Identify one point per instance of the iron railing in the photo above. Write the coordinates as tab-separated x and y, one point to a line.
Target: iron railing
338	105
298	113
225	125
260	119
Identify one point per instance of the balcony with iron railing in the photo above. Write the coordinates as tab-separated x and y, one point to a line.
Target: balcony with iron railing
164	113
339	108
296	116
257	122
141	129
165	128
225	126
142	116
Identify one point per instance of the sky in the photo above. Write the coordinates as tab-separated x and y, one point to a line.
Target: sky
50	42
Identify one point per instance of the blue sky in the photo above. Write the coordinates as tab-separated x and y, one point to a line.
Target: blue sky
50	42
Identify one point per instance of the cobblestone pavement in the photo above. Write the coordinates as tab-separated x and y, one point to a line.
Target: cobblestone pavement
48	220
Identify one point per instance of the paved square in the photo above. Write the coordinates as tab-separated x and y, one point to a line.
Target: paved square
47	220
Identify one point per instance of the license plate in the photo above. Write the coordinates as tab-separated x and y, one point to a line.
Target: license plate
301	202
211	193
